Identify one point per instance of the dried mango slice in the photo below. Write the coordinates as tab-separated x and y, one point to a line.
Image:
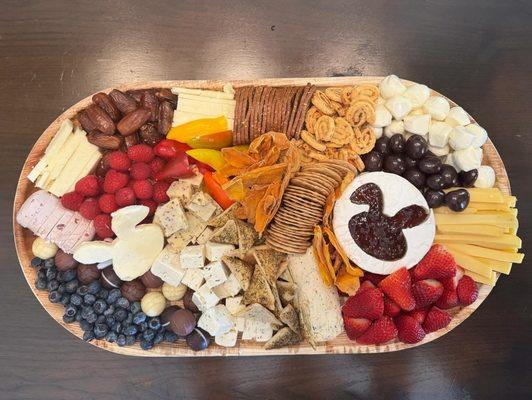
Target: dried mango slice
235	189
328	209
317	244
264	175
237	158
355	271
347	283
267	206
334	242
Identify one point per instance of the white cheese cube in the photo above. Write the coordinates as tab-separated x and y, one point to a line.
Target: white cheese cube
417	94
215	274
257	330
204	298
437	107
181	190
204	236
480	134
171	217
216	320
486	177
193	278
439	133
167	266
195	180
383	117
202	205
227	339
468	159
399	106
460	138
457	117
394	127
234	305
240	323
193	256
418	124
391	86
231	287
215	251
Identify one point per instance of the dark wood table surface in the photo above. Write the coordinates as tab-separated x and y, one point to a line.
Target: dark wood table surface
479	53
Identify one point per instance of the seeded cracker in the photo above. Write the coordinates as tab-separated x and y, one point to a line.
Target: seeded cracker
268	260
302	112
221	219
238	107
289	316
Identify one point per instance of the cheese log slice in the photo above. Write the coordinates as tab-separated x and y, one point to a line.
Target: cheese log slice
31	208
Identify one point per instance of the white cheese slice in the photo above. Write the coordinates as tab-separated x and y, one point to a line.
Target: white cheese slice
58	163
202	205
204	236
234	305
181	190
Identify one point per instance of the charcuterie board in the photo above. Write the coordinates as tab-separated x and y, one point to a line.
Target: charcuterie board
341	344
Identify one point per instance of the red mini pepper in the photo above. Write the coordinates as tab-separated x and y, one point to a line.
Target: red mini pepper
216	191
167	148
176	167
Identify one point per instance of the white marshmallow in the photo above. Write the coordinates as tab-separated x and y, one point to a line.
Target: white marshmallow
468	159
418	94
391	86
380	100
377	132
439	133
382	116
486	177
457	116
480	134
416	111
449	160
439	151
437	107
394	127
418	124
399	106
460	138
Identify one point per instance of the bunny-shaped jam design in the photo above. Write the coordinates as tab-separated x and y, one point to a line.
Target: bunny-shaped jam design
380	235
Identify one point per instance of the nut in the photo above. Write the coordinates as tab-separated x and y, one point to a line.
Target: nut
133	290
64	261
174	293
124	102
103	141
43	249
107	104
133	121
164	120
101	120
153	304
88	273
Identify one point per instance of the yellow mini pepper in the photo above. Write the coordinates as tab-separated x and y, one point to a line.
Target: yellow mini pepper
213	158
199	127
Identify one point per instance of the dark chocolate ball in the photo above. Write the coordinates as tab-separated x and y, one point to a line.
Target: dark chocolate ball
435	198
416	147
110	279
151	281
372	161
382	145
182	322
133	290
430	165
435	182
466	178
198	340
449	175
88	273
188	303
395	164
64	261
397	143
415	177
410	162
167	314
457	200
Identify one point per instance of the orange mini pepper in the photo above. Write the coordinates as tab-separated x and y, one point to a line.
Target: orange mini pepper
216	191
199	127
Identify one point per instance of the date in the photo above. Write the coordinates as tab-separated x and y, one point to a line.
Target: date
101	120
164	94
133	121
150	103
106	103
149	135
124	102
103	141
164	120
85	122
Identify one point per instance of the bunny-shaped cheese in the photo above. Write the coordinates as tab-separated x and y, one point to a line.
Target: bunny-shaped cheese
134	249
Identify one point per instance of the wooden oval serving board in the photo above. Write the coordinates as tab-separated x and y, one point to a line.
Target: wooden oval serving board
24	238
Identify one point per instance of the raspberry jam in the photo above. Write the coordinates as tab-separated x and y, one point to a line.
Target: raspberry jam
378	234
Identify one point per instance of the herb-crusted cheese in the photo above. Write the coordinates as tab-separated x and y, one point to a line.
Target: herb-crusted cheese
167	266
171	217
203	206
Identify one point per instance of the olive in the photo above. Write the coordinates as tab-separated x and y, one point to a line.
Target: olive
410	162
435	182
468	178
457	200
397	143
430	165
382	145
395	164
415	177
450	176
373	161
416	147
434	198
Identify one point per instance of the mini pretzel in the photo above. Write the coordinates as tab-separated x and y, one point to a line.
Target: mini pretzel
334	93
324	128
322	103
311	141
312	116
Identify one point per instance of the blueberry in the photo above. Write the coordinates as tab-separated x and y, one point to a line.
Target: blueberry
54	296
68	319
122	302
88	336
130	340
158	338
110	310
40	284
61	288
89	299
35	262
71	286
120	314
170	336
51	273
139	318
49	263
135	307
41	274
76	299
99	306
121	340
100	330
110	320
154	323
130	330
85	326
111	337
91	318
69	274
82	290
71	310
78	317
142	327
129	319
102	294
148	334
146	345
65	300
101	319
94	287
117	327
85	311
52	285
114	295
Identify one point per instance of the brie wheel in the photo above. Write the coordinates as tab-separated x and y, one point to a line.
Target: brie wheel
397	193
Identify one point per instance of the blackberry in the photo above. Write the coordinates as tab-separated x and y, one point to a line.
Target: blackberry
99	306
76	299
88	336
54	296
122	302
121	340
89	299
113	296
35	262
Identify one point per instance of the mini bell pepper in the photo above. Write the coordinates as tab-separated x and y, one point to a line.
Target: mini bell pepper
199	127
216	191
176	167
215	140
167	148
213	158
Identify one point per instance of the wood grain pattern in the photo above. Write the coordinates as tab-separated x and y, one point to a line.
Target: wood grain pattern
24	238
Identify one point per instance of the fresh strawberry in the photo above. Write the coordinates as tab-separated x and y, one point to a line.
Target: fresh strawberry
381	331
140	153
152	205
398	287
366	304
409	329
391	309
125	197
435	320
143	189
114	181
419	315
449	298
159	192
156	165
438	263
118	161
373	278
72	200
366	285
107	203
102	226
354	327
426	292
89	208
140	171
467	290
88	186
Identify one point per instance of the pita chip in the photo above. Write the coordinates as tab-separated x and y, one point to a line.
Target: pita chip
226	234
282	338
242	270
259	291
289	316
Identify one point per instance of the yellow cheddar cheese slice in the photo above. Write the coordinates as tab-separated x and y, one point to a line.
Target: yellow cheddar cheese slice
470	263
481	230
483	252
459	219
482	279
501	242
503	267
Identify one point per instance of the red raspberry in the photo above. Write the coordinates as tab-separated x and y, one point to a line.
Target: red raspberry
107	203
72	200
152	205
143	189
119	161
156	165
125	197
102	225
114	180
140	171
88	186
140	153
159	192
89	208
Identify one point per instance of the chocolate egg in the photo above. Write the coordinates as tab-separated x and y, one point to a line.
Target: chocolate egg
88	273
198	340
64	261
151	281
133	290
182	322
167	313
188	303
110	279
